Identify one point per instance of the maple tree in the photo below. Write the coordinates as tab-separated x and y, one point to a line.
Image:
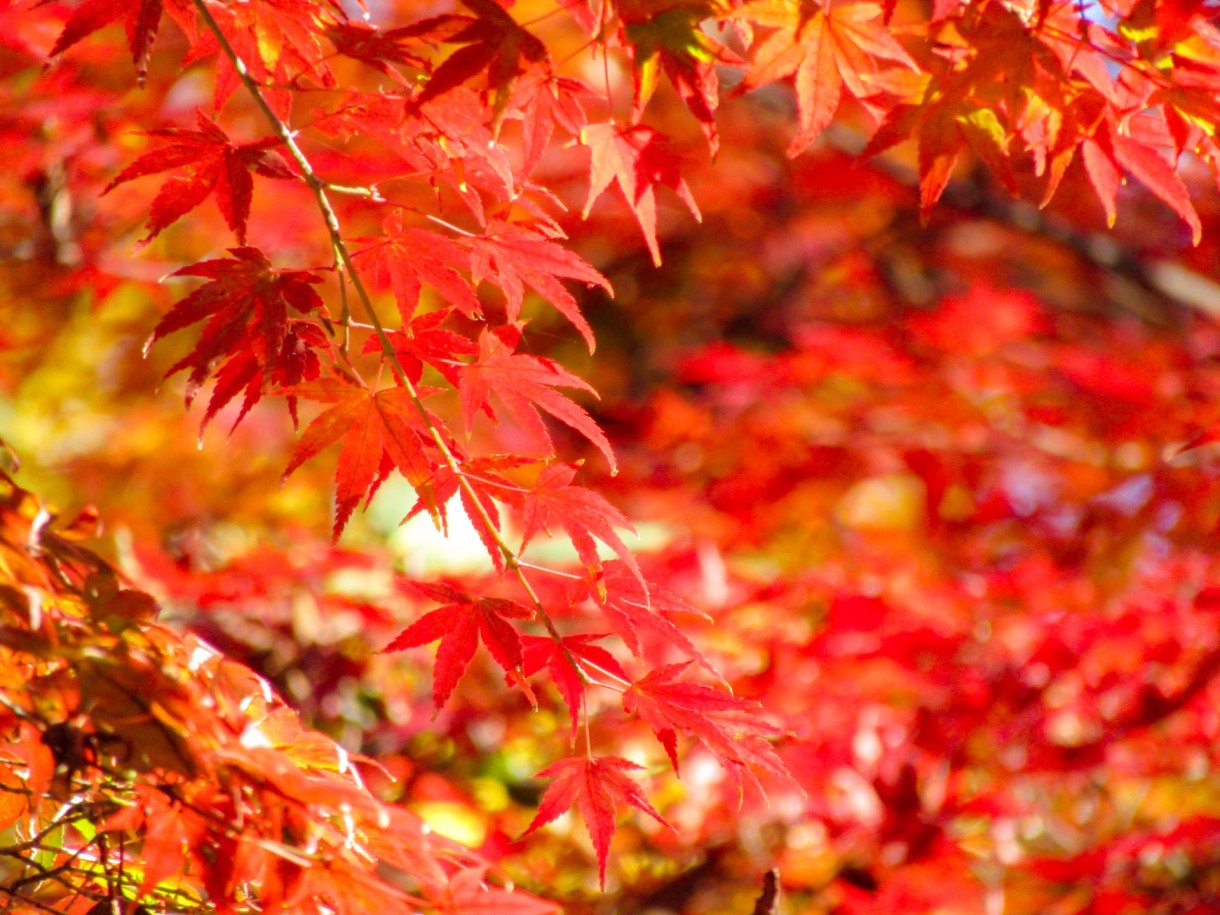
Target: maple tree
886	328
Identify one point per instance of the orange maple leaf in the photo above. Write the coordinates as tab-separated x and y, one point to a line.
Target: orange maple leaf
376	431
823	48
637	159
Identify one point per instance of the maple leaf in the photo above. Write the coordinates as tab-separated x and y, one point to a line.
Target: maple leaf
279	41
495	45
459	625
543	102
1140	156
142	18
595	786
729	727
169	829
407	258
376	47
582	513
451	139
423	340
557	656
634	608
515	257
953	119
344	889
823	48
296	362
673	39
637	160
377	431
485	479
245	303
215	165
523	385
974	101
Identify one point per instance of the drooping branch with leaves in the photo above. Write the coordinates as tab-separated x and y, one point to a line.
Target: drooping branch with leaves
396	190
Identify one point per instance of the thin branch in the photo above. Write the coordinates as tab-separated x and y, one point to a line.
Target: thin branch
73	812
55	873
15	897
369	193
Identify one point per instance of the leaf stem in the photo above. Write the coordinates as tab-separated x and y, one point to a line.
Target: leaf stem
549	571
448	225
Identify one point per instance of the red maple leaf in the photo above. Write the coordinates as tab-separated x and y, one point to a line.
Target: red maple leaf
297	362
245	303
1137	148
378	431
277	40
379	47
582	513
633	610
638	160
674	40
495	45
951	108
485	479
514	257
169	829
406	258
543	102
422	340
728	726
523	385
459	625
596	786
343	888
558	657
142	18
215	165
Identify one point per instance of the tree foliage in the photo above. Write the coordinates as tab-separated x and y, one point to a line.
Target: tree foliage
916	434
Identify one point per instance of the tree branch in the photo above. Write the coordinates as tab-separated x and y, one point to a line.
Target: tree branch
345	265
